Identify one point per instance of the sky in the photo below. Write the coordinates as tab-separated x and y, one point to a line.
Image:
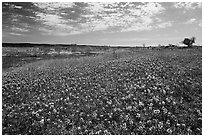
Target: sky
101	23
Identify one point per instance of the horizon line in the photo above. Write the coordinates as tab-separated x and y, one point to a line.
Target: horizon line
89	44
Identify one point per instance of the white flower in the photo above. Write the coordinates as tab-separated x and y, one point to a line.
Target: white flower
138	115
169	131
129	107
141	103
157	111
151	104
140	127
148	90
109	102
174	102
160	125
94	114
168	122
168	100
164	110
42	121
164	91
183	125
178	124
199	113
78	128
54	110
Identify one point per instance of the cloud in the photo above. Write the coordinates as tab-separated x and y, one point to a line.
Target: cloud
57	32
12	6
193	20
15	34
200	23
50	31
96	7
127	39
18	7
137	27
54	25
45	30
188	5
16	29
51	19
164	24
53	6
54	18
151	8
18	17
127	16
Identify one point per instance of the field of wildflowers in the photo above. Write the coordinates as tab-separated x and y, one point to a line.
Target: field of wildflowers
148	92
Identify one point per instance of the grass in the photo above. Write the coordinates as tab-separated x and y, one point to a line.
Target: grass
18	56
131	92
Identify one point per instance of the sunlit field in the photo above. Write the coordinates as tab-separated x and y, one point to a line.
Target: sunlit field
129	92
